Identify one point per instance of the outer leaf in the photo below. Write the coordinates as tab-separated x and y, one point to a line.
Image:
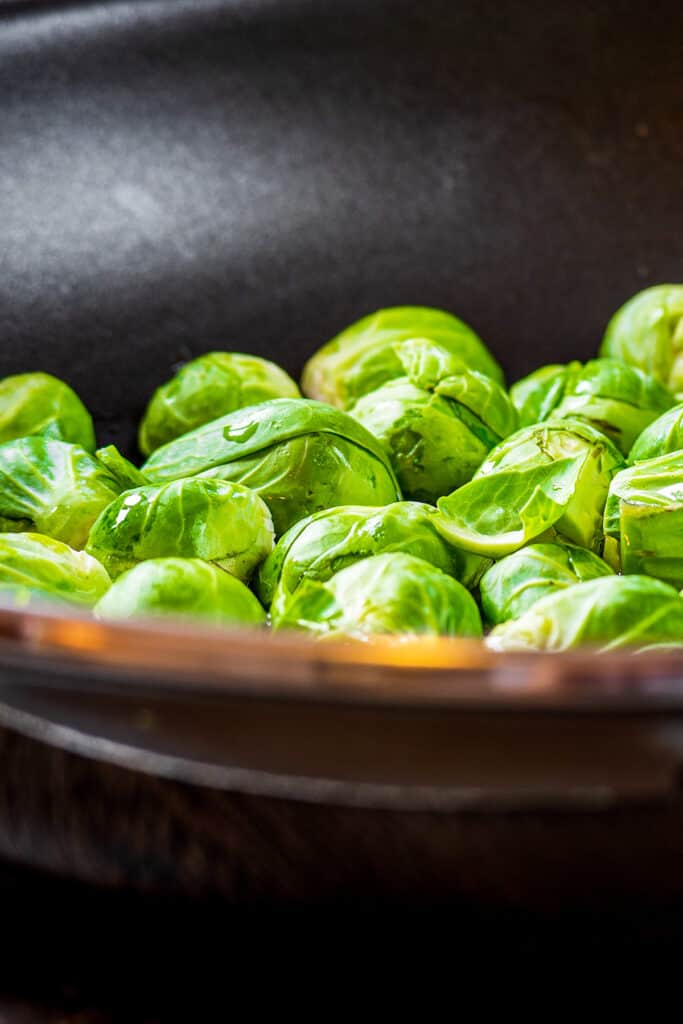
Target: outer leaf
210	386
121	468
497	514
32	565
215	520
362	357
185	587
389	593
611	612
37	403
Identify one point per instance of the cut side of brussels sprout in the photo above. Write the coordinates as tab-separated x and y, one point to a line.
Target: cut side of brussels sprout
617	399
647	332
362	357
510	587
321	545
206	388
300	456
53	488
32	565
181	587
390	593
609	613
661	437
215	520
553	475
38	403
644	517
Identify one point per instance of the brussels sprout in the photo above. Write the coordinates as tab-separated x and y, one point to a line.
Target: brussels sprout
437	422
124	472
610	612
644	519
647	332
300	456
52	487
37	403
615	398
362	357
216	520
391	593
551	475
208	387
511	586
188	587
319	546
661	437
33	565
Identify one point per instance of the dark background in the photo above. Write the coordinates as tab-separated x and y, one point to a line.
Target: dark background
254	174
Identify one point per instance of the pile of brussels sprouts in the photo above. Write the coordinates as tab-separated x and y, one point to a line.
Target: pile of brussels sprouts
408	493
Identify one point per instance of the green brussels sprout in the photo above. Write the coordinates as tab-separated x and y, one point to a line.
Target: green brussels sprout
187	587
362	357
617	399
608	613
510	587
390	593
38	403
644	519
321	545
208	387
661	437
300	456
647	332
549	476
35	566
437	422
121	468
52	487
216	520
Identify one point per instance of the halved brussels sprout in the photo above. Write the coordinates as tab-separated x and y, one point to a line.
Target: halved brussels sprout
437	422
323	544
181	587
661	437
391	593
300	456
510	587
617	399
52	487
32	565
362	357
38	403
208	387
647	332
610	613
644	519
216	520
549	476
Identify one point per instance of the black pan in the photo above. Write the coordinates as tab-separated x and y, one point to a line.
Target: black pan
178	176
